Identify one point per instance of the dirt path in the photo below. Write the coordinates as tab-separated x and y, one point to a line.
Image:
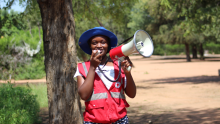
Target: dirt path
173	91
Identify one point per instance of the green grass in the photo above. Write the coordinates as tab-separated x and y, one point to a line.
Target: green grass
41	91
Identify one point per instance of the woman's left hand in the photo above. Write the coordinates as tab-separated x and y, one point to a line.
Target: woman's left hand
130	89
125	64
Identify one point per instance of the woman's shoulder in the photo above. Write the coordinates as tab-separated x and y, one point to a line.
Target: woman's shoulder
83	62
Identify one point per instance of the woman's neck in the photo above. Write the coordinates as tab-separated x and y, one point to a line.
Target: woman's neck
108	63
103	60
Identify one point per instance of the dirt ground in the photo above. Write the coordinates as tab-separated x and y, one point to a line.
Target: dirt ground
172	91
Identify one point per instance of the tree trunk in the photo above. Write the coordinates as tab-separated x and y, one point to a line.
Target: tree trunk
60	61
201	51
194	51
187	52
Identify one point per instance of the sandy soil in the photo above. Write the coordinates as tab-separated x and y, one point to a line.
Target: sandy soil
173	91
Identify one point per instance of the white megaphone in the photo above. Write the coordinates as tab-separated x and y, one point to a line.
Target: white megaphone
141	43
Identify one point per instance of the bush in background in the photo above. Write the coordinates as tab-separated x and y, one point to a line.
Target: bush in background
33	70
16	60
177	49
168	49
212	48
18	105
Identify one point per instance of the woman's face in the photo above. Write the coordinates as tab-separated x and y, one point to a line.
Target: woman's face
100	43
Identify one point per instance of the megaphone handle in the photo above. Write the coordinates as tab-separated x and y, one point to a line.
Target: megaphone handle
122	59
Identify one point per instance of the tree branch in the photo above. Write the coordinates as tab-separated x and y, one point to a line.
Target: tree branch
94	15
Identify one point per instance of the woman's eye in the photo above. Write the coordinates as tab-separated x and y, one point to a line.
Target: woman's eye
94	43
103	42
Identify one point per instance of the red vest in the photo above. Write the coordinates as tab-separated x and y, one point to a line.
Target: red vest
105	106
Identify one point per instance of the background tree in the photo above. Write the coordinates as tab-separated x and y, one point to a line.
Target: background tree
165	25
201	17
178	22
10	22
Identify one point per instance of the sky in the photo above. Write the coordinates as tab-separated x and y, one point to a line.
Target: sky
15	7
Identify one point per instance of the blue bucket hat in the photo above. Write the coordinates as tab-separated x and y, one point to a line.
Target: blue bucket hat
85	37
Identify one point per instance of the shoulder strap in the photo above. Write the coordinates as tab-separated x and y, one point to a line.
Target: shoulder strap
85	69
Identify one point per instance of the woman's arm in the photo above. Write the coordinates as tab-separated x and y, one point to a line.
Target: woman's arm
85	86
130	89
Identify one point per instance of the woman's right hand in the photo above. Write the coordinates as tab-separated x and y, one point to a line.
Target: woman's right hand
95	60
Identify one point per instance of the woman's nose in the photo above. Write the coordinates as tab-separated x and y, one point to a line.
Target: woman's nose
99	45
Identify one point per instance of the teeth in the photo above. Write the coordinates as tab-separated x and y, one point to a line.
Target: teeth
98	51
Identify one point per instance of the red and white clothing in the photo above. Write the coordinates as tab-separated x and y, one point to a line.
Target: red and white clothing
109	72
106	104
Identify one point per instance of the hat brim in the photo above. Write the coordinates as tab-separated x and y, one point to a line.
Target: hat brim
83	40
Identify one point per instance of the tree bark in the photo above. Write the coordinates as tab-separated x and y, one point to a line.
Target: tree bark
201	51
60	61
194	51
188	59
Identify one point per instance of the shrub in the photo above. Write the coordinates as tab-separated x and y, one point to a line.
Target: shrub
18	105
212	47
34	70
168	49
16	60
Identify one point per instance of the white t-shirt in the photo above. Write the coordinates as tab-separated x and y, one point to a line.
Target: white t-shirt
109	72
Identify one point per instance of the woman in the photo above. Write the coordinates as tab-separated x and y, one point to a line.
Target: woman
104	100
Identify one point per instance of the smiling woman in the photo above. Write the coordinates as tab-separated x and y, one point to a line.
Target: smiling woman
98	91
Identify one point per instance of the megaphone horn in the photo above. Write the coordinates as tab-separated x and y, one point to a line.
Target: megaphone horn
141	43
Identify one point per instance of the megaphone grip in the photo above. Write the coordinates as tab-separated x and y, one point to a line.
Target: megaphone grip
122	59
116	53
